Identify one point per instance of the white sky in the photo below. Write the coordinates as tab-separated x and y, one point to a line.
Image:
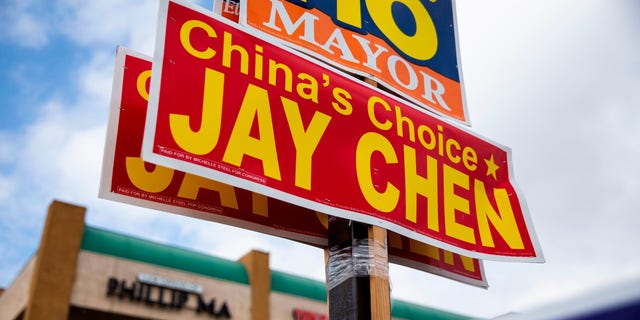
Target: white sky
557	81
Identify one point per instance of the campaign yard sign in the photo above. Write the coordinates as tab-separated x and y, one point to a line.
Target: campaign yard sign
230	106
409	46
229	9
127	178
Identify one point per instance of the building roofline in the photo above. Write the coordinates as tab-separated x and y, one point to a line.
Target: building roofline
141	250
128	247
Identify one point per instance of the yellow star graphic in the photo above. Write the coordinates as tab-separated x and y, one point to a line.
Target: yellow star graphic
492	167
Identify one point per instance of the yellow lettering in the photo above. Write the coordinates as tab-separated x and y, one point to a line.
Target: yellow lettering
228	48
185	39
448	257
260	204
424	249
434	253
440	141
141	84
454	203
422	129
418	185
382	14
273	75
323	218
204	140
503	221
255	105
371	104
305	140
259	64
369	143
308	90
349	12
467	263
155	181
400	119
454	143
342	104
470	158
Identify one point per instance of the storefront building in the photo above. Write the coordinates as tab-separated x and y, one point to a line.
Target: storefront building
82	272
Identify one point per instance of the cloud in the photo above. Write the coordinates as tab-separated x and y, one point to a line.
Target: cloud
6	148
21	25
132	22
33	24
29	31
98	23
95	79
6	188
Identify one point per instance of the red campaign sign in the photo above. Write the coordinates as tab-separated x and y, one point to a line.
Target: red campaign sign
126	178
232	107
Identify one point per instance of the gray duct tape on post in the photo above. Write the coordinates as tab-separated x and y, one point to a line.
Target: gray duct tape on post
366	257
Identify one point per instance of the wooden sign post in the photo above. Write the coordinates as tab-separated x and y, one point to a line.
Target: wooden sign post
357	271
379	278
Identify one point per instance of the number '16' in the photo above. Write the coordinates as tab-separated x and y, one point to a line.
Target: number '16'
421	45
